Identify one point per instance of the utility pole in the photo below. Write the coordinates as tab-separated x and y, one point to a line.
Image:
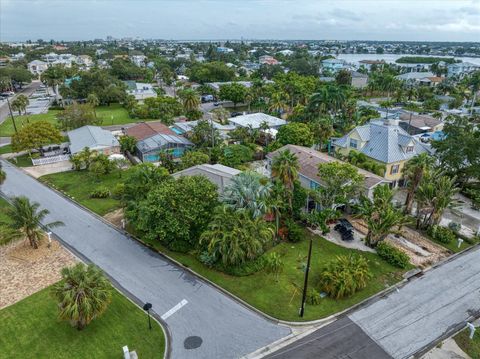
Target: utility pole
305	284
11	114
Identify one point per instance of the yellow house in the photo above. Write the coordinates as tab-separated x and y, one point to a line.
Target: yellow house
385	142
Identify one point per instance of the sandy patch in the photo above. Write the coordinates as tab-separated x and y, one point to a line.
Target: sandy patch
24	271
115	217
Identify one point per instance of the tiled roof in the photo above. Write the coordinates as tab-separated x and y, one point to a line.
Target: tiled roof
309	160
148	129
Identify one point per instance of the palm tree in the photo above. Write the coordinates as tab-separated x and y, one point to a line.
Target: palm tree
53	77
26	219
276	104
381	217
285	169
322	130
235	237
20	104
83	294
413	172
248	191
190	100
93	100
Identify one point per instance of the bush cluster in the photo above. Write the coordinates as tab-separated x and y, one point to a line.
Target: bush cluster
100	192
392	255
294	231
442	234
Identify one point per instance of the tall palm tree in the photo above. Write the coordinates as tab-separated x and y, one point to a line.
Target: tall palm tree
413	172
277	104
93	100
381	217
83	294
235	237
190	100
322	129
285	169
248	191
26	219
20	104
53	77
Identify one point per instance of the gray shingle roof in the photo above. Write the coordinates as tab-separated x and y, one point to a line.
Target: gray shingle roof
93	137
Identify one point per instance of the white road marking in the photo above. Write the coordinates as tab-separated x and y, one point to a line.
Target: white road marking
174	309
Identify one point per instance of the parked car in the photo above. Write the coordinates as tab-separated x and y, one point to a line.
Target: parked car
207	98
345	228
7	94
217	104
235	114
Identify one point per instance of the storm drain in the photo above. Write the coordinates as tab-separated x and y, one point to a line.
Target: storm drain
192	342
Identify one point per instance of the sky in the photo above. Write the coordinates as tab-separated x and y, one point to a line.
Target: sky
406	20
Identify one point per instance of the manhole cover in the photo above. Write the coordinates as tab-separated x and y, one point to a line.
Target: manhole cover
192	342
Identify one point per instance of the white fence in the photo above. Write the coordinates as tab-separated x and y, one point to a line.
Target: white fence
51	159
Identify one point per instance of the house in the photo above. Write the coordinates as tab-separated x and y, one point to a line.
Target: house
95	138
224	50
138	60
413	78
369	64
149	148
144	130
216	85
309	160
139	90
461	68
333	65
418	124
359	80
384	142
267	60
37	67
187	127
218	174
255	121
431	81
84	61
286	52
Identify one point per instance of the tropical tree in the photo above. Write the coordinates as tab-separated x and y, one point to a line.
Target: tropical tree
322	130
380	215
20	104
413	172
190	100
277	104
434	194
234	237
128	143
35	135
53	77
77	115
248	191
295	133
194	158
83	294
234	92
26	219
285	169
93	100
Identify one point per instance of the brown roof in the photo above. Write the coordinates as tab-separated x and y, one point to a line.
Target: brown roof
148	129
436	78
309	160
420	121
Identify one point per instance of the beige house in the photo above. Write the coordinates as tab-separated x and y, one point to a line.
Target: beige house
218	174
385	142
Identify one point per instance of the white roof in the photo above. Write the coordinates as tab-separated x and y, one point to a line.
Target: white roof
256	119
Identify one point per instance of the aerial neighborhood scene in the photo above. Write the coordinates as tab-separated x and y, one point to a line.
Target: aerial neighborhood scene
239	179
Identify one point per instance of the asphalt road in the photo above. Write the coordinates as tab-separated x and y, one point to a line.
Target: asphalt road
26	90
219	325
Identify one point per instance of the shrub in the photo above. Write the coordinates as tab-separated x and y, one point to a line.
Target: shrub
273	264
100	192
392	255
294	231
441	234
344	276
313	297
118	191
244	269
208	259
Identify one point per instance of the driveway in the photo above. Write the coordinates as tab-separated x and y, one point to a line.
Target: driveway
203	322
26	90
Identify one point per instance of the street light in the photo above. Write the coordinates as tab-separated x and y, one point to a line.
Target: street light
147	307
305	284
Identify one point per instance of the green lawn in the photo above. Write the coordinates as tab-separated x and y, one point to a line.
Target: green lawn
114	114
281	299
31	329
3	219
5	149
469	346
79	185
21	161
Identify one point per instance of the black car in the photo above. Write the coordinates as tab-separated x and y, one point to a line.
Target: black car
345	228
235	114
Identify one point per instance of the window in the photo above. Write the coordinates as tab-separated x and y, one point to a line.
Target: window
353	143
409	149
394	169
314	185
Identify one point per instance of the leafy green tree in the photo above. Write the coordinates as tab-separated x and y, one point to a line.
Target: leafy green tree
20	104
343	77
234	92
128	143
285	170
340	183
124	69
141	180
35	135
101	165
380	215
190	100
295	133
194	158
83	294
344	276
322	130
234	237
77	115
413	172
205	134
26	219
220	115
83	159
248	191
53	77
210	72
163	108
93	100
236	155
177	212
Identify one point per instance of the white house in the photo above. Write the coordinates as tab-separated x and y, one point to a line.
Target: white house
255	121
141	91
333	64
138	60
460	69
37	67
